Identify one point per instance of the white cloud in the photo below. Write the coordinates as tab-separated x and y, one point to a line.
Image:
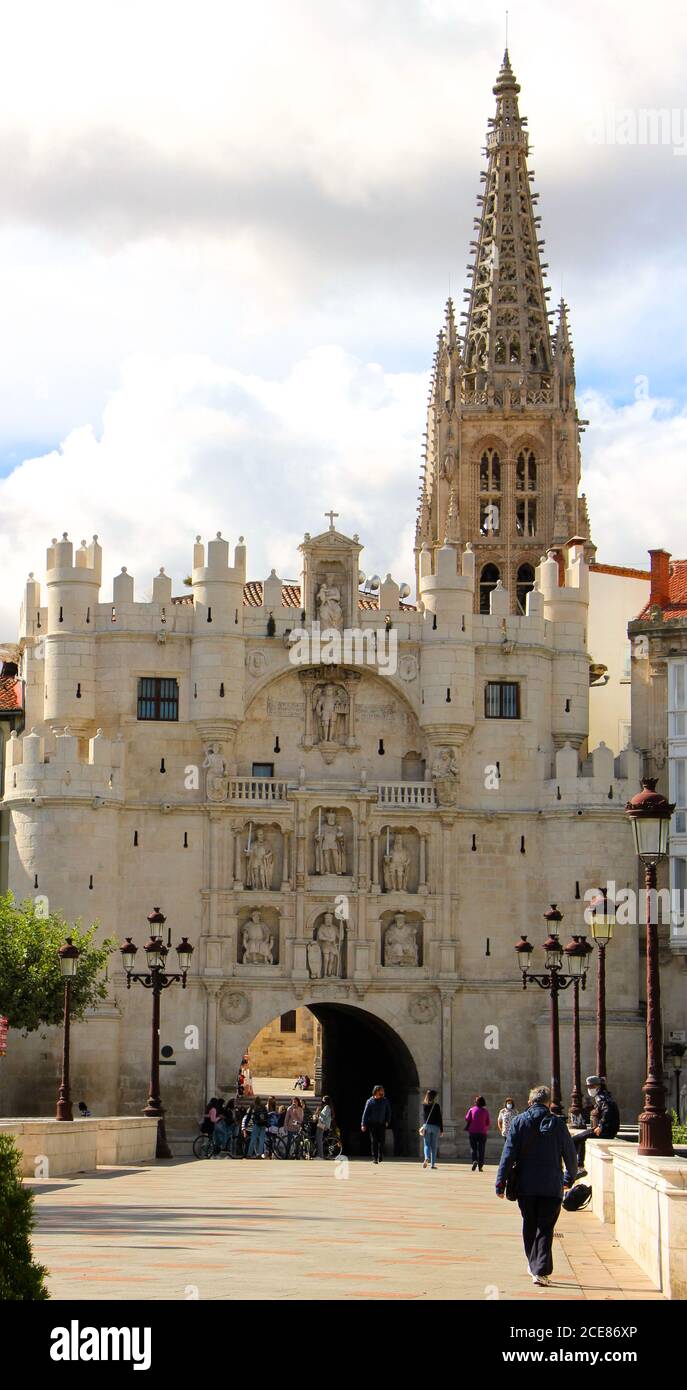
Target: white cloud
188	446
634	460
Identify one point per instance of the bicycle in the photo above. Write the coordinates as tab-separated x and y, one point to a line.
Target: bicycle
205	1146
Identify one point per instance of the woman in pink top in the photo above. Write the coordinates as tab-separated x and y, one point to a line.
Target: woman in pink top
477	1124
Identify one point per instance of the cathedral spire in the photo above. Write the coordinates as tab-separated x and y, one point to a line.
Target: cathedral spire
501	462
507	330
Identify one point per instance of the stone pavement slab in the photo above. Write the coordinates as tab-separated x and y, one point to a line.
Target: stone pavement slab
224	1229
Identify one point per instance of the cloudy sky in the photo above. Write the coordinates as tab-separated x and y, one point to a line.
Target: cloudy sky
227	232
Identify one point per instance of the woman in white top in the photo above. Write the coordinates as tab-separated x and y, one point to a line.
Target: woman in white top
323	1125
506	1116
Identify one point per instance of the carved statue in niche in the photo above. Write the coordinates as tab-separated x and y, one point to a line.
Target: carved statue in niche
400	942
216	781
328	600
562	457
396	867
330	707
324	952
258	942
259	861
330	846
445	770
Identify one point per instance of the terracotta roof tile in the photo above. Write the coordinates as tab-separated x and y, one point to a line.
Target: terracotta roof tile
291	597
11	694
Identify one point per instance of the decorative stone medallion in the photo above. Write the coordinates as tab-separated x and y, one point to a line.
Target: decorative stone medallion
234	1006
422	1008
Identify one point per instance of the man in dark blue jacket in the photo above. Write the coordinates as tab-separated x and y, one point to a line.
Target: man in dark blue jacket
376	1118
539	1144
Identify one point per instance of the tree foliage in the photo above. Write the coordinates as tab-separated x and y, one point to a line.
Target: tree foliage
20	1276
31	983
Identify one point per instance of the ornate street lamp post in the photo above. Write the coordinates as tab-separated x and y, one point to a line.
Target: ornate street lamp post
603	922
156	978
577	953
650	815
553	981
69	956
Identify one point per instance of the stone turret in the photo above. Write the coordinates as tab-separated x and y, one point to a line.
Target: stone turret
73	583
567	606
447	709
218	648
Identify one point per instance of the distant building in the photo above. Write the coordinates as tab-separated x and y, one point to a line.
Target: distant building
616	595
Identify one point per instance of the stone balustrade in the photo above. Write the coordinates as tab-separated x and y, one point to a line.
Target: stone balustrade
263	790
416	794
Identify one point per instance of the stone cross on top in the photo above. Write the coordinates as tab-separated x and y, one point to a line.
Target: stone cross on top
331	516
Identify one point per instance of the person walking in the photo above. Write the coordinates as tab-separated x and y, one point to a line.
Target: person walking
323	1124
477	1123
540	1146
505	1116
376	1120
604	1121
431	1129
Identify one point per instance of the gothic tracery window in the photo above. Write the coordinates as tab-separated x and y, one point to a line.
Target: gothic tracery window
490	493
488	580
524	585
526	493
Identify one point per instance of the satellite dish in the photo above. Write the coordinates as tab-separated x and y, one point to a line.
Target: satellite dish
361	577
404	590
375	582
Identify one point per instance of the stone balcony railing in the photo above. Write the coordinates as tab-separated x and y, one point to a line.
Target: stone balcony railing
264	790
267	791
417	794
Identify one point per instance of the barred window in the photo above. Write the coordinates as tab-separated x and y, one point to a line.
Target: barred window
287	1022
158	698
502	700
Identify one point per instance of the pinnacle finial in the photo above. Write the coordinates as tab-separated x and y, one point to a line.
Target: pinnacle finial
506	78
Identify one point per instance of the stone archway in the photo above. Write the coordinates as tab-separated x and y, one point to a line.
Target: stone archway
360	1050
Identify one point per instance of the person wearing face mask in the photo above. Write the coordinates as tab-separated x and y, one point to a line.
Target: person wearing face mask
505	1116
604	1121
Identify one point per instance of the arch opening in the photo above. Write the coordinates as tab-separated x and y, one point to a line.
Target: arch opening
344	1051
360	1051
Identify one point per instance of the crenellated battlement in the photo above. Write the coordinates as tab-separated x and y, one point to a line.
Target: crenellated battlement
33	772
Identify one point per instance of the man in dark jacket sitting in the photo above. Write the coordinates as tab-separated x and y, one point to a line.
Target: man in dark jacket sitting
539	1144
604	1121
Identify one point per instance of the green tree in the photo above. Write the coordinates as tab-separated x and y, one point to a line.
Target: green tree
20	1276
31	983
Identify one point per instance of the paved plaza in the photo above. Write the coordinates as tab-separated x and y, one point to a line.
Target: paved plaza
225	1229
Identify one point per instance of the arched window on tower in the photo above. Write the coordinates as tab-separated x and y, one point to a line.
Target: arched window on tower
487	581
526	494
490	493
524	586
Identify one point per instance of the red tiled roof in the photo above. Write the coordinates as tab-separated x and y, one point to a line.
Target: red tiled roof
291	597
677	590
623	570
10	694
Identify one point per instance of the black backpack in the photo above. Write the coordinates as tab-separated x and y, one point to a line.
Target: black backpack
578	1197
261	1116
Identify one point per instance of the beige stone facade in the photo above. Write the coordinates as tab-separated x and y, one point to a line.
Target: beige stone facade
361	830
413	976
